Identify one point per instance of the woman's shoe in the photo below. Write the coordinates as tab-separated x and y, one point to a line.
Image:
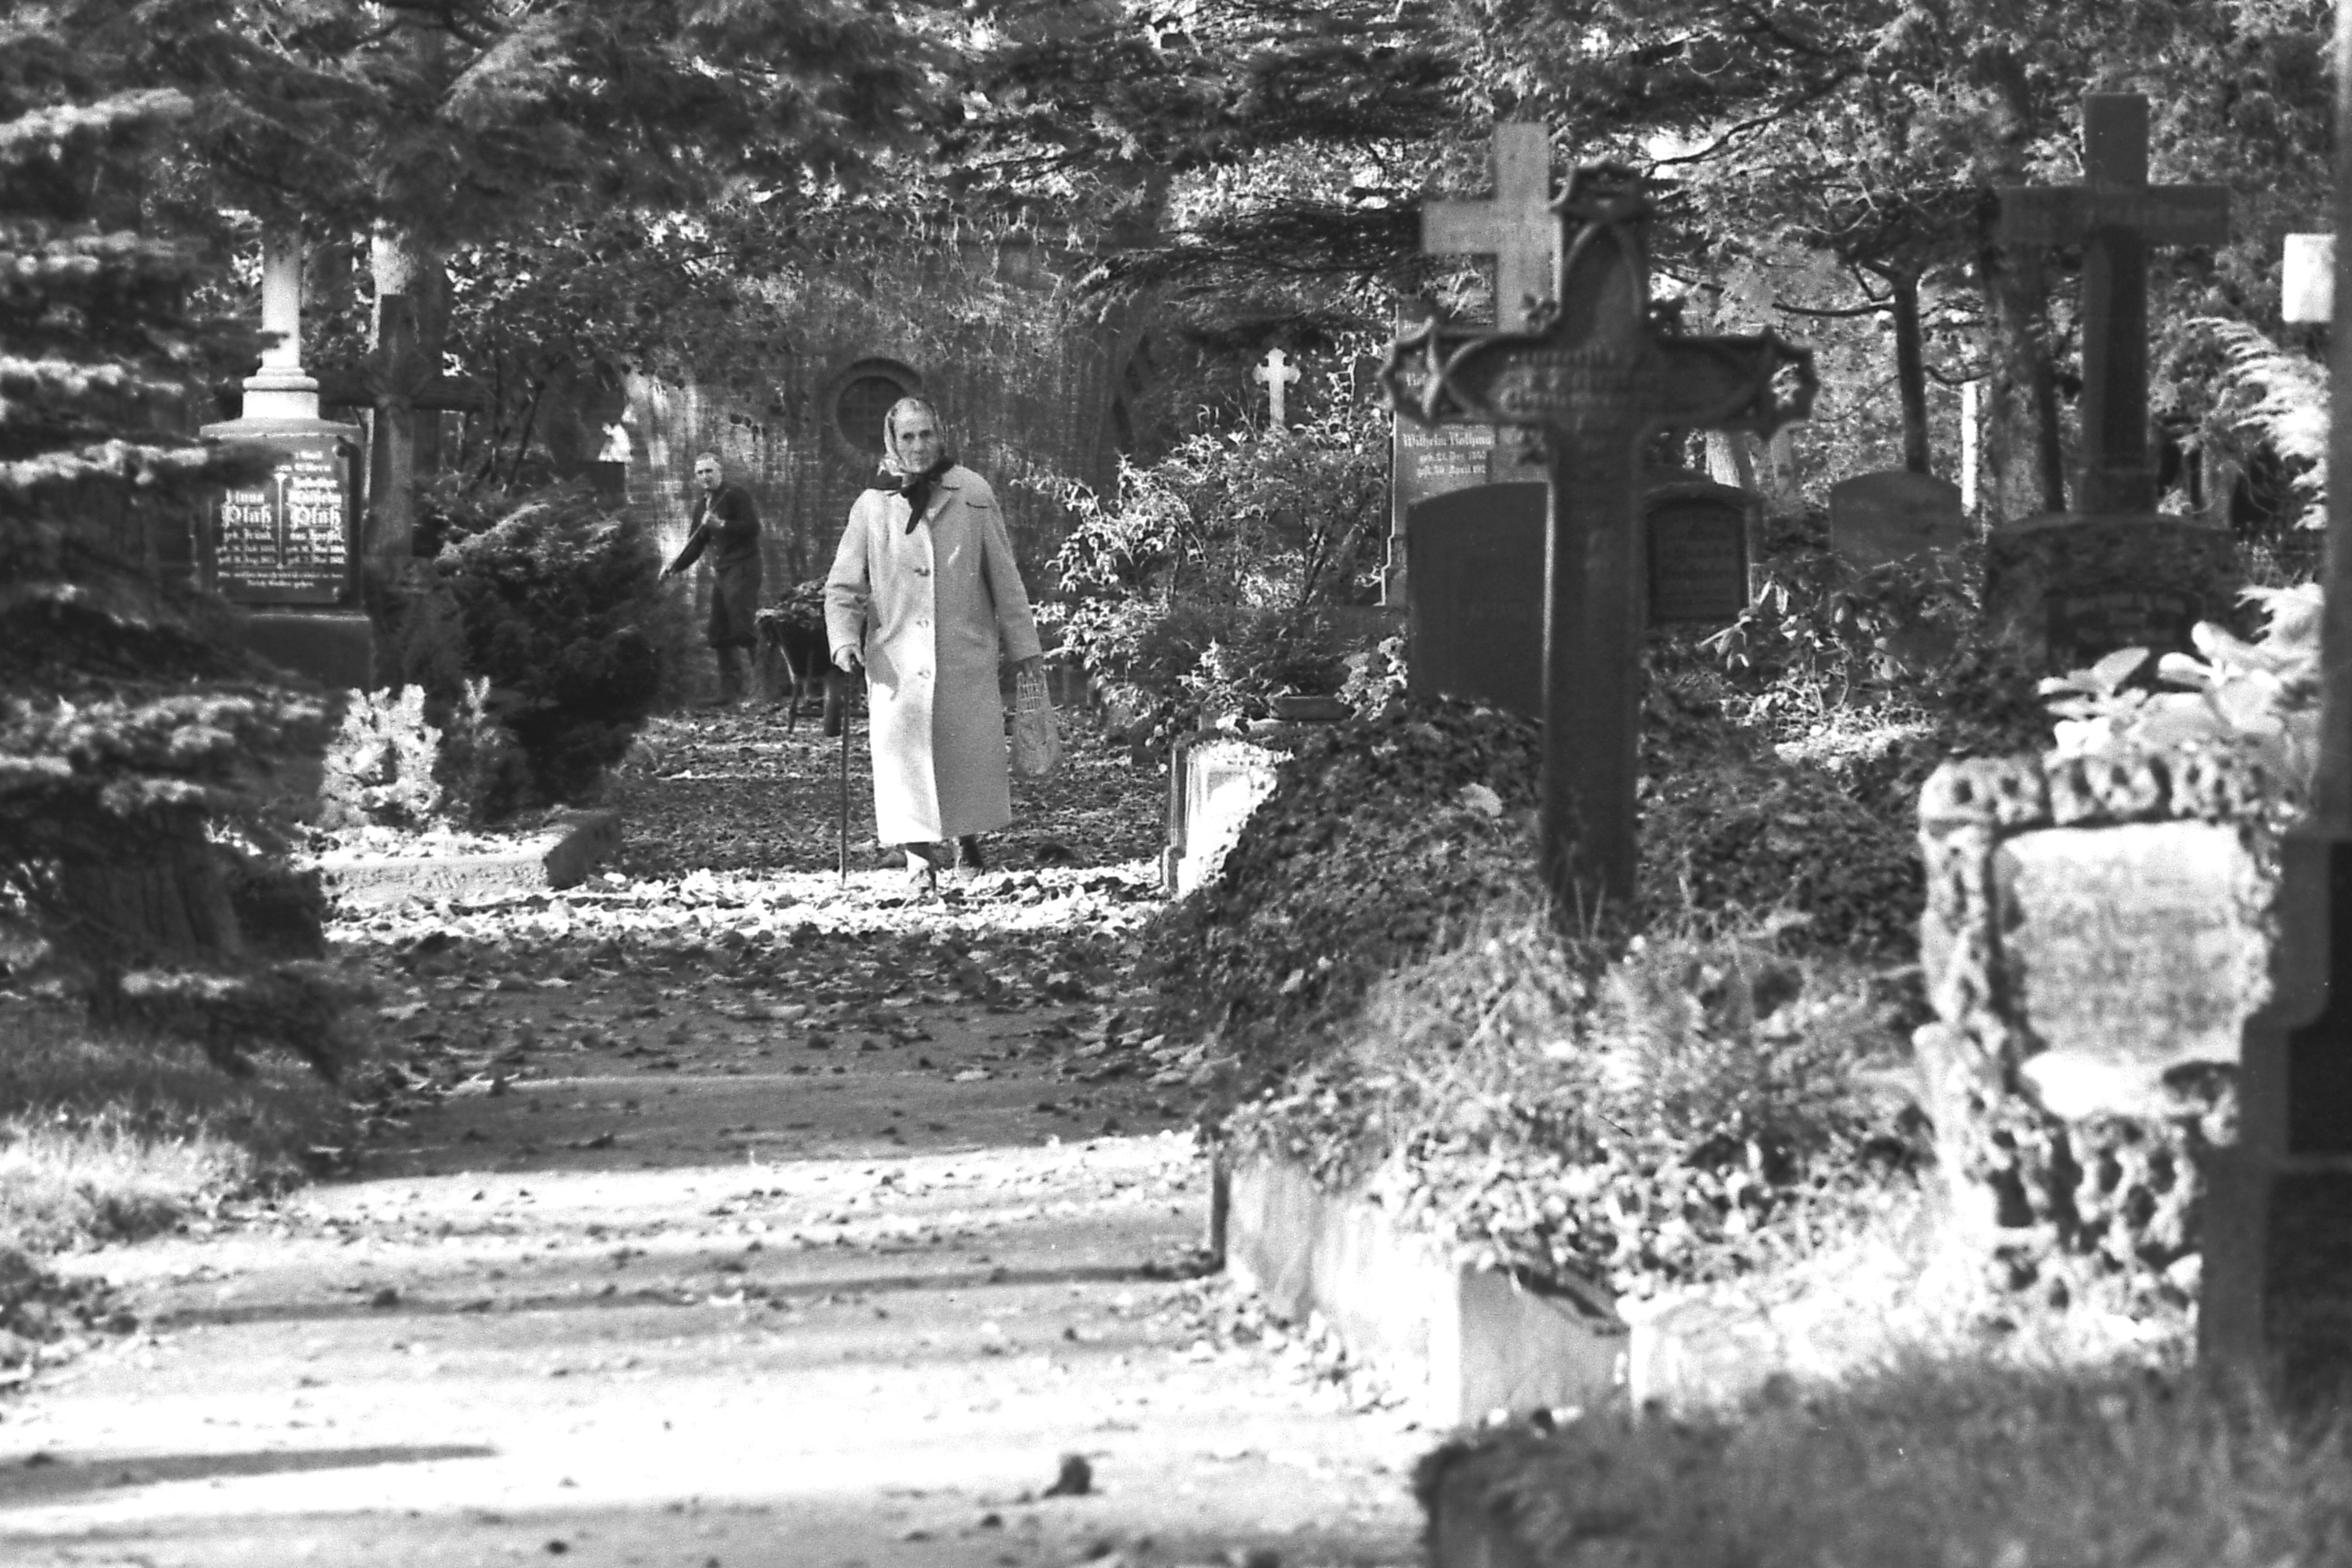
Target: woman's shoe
922	876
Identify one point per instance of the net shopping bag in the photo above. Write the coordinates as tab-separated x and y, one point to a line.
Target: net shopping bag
1036	738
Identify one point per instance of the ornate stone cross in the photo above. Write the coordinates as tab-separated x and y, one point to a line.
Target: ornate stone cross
1594	374
1516	226
1276	374
2116	215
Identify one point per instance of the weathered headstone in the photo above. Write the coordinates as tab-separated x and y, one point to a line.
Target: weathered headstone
1278	375
2067	588
1700	549
1594	377
1516	226
2277	1278
1898	515
287	550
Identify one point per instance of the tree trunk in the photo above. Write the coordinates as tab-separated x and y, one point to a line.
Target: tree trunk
2024	459
1910	371
397	368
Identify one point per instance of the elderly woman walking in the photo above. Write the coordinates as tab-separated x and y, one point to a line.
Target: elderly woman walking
925	596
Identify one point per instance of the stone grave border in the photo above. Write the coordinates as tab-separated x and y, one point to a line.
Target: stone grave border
1457	1341
560	855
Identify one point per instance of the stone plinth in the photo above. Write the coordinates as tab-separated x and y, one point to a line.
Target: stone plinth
558	857
1214	781
1456	1339
2067	590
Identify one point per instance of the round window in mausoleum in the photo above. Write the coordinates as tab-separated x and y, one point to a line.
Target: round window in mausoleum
867	393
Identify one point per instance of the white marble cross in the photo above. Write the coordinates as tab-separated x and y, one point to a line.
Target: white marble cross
1276	374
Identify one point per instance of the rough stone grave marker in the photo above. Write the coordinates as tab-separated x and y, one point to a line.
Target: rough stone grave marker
1516	226
1595	374
1875	519
2112	573
2277	1282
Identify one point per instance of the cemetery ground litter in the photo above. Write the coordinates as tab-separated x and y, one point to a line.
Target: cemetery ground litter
713	1212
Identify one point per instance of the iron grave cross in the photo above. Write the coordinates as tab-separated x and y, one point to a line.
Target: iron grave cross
2116	216
1591	376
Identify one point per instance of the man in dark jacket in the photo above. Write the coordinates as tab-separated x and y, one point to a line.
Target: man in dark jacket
726	523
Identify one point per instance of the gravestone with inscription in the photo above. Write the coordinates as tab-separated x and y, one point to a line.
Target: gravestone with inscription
1475	629
1597	372
287	551
2067	588
1896	515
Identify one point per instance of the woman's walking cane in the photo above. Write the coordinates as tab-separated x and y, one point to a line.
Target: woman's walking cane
837	722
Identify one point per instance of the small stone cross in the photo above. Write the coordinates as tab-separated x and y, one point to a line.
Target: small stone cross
2116	216
1516	226
1276	374
1595	373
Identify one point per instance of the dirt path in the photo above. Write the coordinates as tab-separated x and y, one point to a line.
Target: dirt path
762	1222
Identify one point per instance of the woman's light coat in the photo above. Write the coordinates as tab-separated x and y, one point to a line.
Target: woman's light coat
933	610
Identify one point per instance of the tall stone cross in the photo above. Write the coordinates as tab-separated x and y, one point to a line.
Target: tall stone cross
2116	215
1591	375
1276	374
1515	226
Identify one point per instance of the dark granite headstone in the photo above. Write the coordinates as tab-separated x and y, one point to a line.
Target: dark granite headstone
1475	623
1474	628
289	540
286	552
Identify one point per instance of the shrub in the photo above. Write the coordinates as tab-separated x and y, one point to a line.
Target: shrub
1194	591
550	605
2259	698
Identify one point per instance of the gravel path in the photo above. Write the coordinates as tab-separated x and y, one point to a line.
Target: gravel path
804	1228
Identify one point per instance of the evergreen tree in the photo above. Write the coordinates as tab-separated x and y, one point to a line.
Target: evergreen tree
133	743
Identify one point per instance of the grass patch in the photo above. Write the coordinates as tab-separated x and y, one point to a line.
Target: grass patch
109	1137
1986	1464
